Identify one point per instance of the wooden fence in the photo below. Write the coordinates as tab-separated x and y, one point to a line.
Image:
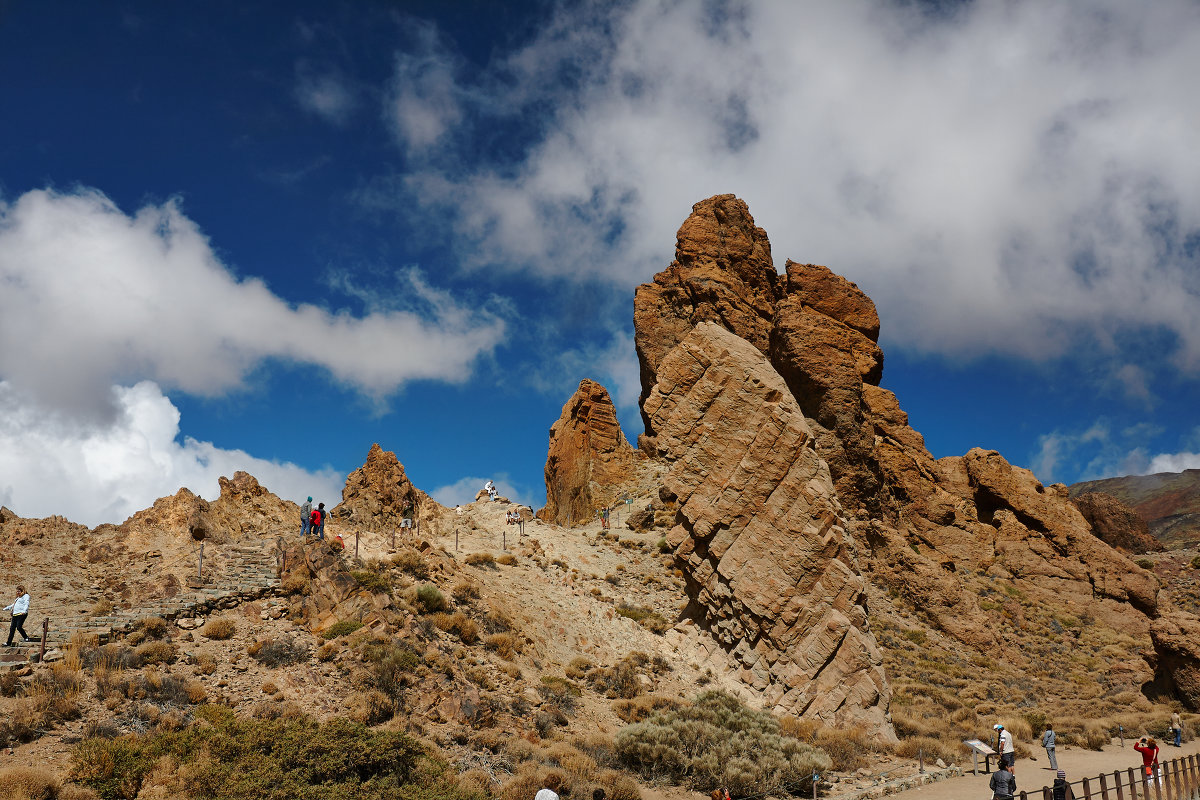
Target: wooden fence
1178	779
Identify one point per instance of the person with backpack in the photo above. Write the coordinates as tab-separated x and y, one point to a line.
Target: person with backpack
306	518
321	528
314	522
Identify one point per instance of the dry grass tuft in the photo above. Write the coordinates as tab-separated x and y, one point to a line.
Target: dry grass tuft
219	629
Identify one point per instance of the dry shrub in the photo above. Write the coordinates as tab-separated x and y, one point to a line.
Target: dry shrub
507	559
465	591
578	668
70	791
524	784
219	629
28	783
206	663
270	688
295	583
327	652
458	623
930	747
505	645
578	766
278	652
908	725
102	608
643	707
476	783
431	598
154	653
518	750
411	561
153	627
1020	728
481	560
372	708
717	741
619	680
803	729
618	786
847	747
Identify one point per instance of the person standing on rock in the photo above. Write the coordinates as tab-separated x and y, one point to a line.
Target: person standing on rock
1048	743
306	517
20	610
321	524
1003	783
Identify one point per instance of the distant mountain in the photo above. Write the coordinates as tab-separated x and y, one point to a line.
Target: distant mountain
1168	501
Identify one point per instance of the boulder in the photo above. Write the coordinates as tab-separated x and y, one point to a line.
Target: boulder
378	495
1177	642
771	571
1117	524
588	461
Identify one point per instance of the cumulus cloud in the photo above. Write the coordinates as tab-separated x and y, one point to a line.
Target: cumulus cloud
1012	177
51	463
1173	462
93	297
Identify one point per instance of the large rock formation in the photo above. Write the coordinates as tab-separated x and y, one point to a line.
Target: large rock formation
1116	523
378	495
771	571
588	460
1168	501
939	536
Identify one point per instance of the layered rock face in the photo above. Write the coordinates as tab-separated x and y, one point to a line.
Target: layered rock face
378	495
937	535
771	570
588	460
1116	523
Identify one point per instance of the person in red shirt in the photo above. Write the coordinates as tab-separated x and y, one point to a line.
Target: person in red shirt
1149	750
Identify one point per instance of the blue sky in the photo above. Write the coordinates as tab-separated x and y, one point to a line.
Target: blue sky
262	236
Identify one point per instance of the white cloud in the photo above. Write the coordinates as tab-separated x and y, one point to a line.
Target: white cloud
463	490
53	464
1173	462
325	95
424	99
92	297
1008	178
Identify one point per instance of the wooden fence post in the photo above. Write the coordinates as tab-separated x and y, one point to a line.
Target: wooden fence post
1133	784
1117	783
1158	792
1087	789
45	633
1103	787
1047	794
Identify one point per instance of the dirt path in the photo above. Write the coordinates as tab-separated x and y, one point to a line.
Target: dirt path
1032	775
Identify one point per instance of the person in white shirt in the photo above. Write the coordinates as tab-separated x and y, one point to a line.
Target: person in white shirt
20	609
1008	754
551	790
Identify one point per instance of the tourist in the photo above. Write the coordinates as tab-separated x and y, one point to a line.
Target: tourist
306	517
553	781
1177	728
1003	783
1149	750
321	527
1048	743
1008	754
20	610
1061	790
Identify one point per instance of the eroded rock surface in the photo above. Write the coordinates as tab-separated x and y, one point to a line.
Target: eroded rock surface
378	495
771	569
1116	523
588	460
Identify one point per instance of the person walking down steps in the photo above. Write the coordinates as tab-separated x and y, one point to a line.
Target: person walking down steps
20	610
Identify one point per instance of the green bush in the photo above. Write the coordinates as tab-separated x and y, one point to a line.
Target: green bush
717	741
341	628
432	598
372	581
1145	563
289	758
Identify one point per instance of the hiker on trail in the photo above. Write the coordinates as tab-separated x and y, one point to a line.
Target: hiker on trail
1177	728
306	517
314	521
1048	743
551	790
20	610
604	518
1004	745
321	525
1149	750
1003	783
1061	790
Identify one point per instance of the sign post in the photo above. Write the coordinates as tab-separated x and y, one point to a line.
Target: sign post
978	749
